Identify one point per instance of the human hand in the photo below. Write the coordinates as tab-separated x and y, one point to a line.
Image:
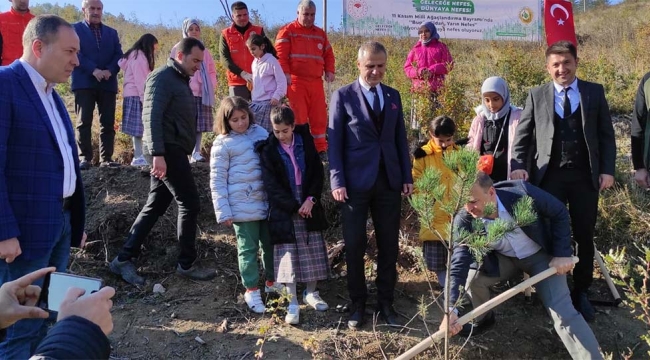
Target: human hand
10	250
562	264
305	209
84	237
18	299
641	178
159	168
95	307
605	181
407	189
329	77
340	194
246	76
454	327
98	74
519	175
275	102
106	74
227	222
288	76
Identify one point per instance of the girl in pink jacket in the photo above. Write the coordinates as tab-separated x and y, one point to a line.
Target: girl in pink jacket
202	84
493	129
429	60
136	64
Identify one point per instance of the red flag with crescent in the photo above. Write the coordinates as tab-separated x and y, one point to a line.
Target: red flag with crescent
558	21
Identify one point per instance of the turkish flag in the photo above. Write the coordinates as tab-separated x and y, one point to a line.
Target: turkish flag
558	21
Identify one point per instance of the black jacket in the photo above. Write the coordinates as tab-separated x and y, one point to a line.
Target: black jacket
168	112
282	203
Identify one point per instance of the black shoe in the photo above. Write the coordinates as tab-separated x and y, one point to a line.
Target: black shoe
479	327
323	157
582	304
84	165
356	320
127	270
109	163
196	272
388	315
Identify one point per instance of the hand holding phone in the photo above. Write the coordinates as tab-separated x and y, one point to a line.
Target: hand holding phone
18	299
95	307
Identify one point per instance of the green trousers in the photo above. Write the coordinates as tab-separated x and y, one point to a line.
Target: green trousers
252	235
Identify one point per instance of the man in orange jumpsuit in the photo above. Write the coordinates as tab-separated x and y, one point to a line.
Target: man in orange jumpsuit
12	26
234	52
305	55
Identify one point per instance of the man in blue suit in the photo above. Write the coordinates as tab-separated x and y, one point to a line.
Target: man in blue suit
95	82
533	249
369	168
41	194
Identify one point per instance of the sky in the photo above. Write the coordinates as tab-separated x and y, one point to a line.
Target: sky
170	12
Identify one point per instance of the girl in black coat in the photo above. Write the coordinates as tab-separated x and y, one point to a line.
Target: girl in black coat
293	178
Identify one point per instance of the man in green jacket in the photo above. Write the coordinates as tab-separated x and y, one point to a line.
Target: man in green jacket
641	133
169	119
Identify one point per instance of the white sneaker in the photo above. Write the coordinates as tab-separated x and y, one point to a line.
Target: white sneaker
196	157
314	300
139	161
293	315
276	288
254	301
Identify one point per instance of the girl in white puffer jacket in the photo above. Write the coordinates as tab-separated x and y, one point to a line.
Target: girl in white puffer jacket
238	193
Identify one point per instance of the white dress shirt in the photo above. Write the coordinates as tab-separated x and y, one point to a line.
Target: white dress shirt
516	243
44	91
365	88
574	97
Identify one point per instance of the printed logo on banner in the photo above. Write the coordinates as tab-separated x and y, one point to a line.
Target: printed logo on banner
357	8
526	15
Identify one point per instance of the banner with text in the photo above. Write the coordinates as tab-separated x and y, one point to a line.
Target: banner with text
476	19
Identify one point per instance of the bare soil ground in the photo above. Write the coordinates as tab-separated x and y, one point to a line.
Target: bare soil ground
168	326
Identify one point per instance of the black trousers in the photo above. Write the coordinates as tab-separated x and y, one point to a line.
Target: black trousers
85	100
575	187
241	91
177	185
385	207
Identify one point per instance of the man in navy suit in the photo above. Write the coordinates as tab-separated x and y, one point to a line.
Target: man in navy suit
369	168
533	249
41	194
95	82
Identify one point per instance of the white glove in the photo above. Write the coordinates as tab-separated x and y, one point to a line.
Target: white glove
246	76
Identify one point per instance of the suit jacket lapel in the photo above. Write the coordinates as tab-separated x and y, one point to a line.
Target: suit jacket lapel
584	101
28	85
361	106
549	97
389	112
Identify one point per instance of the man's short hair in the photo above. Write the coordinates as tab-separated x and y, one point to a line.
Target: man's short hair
44	28
238	5
306	4
371	47
84	3
186	45
562	48
484	181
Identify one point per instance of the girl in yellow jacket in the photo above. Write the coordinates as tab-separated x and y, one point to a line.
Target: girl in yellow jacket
441	138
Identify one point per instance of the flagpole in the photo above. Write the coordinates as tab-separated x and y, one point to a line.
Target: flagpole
325	15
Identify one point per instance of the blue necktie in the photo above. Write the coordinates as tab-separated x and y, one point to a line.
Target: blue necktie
376	106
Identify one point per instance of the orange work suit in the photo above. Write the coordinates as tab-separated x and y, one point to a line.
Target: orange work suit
12	26
306	54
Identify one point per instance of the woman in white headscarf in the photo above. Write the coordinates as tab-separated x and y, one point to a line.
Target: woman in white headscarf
493	129
202	84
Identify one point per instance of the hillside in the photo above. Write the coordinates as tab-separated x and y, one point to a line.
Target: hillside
613	51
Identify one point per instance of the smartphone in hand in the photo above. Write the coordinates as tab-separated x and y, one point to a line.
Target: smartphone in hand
56	285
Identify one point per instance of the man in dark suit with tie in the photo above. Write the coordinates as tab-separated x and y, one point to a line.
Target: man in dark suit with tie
369	168
94	81
42	209
565	144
